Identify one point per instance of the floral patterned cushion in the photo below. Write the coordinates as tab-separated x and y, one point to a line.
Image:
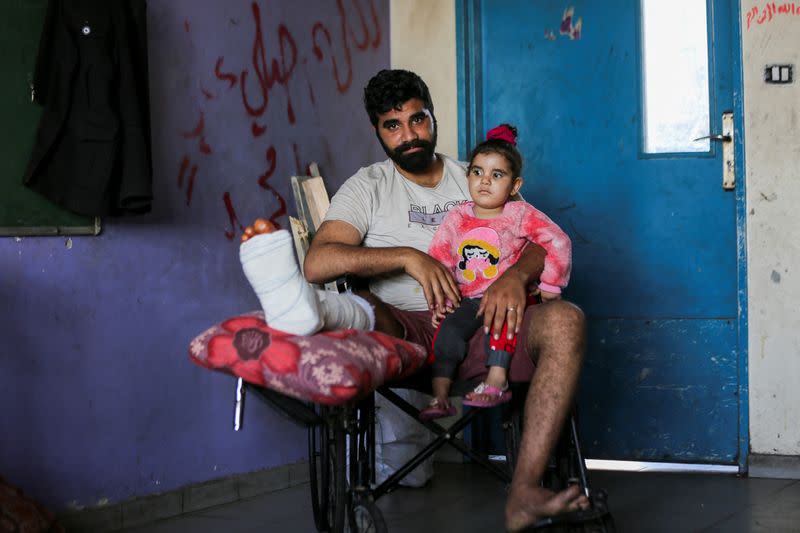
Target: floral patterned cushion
330	367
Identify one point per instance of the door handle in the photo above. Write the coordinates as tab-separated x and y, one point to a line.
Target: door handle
728	151
716	137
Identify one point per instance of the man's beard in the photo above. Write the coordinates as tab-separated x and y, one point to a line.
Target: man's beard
416	162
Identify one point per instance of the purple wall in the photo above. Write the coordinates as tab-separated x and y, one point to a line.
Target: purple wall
99	398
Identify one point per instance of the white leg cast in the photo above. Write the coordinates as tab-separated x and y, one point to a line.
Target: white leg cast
345	311
289	302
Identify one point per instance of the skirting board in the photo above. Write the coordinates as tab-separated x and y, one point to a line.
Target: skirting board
189	499
774	466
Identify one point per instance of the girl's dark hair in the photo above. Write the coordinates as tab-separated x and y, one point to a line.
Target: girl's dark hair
390	89
502	147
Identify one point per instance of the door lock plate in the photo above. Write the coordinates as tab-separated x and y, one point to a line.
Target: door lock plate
728	162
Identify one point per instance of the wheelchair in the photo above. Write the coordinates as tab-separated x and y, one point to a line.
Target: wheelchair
341	438
341	451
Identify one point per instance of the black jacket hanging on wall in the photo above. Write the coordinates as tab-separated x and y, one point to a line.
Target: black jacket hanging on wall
92	149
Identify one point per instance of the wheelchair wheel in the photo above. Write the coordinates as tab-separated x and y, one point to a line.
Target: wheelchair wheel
513	432
365	517
326	451
318	475
337	479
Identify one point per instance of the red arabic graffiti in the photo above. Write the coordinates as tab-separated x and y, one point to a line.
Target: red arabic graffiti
320	29
262	182
234	220
770	11
224	76
190	180
272	68
257	130
281	73
198	133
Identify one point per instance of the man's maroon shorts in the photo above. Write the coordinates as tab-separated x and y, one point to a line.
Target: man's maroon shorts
420	331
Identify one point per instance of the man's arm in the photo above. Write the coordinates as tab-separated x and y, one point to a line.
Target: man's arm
510	291
336	251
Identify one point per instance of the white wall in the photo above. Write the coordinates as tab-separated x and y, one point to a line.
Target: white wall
423	39
772	151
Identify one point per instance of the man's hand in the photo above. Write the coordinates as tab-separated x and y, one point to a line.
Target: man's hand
437	281
504	301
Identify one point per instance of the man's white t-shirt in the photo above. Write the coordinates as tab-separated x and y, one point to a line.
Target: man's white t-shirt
388	210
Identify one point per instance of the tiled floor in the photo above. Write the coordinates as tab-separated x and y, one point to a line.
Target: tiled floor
466	499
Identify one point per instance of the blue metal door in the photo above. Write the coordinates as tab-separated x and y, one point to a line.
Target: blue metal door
657	267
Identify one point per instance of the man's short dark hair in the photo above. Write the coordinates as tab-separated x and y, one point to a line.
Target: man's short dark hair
390	89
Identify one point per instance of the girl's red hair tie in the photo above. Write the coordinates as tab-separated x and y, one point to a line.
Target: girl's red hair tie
502	132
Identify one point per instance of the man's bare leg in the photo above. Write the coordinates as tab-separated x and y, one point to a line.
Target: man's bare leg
557	336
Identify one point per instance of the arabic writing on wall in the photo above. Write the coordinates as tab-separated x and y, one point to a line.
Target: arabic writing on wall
770	11
359	30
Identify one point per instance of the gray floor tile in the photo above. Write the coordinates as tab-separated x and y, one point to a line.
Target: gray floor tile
781	512
682	502
285	510
467	499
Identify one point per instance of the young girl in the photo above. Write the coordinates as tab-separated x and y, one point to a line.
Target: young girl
478	241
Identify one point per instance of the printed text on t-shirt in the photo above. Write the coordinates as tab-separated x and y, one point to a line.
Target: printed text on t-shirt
420	215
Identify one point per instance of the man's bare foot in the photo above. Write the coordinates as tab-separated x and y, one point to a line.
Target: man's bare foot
527	504
259	226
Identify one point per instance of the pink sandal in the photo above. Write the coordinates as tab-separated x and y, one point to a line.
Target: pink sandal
437	410
496	396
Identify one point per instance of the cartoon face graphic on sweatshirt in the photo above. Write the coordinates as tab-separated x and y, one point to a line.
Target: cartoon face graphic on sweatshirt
480	252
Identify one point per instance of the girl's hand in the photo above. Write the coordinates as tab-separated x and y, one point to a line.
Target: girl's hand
438	316
549	296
